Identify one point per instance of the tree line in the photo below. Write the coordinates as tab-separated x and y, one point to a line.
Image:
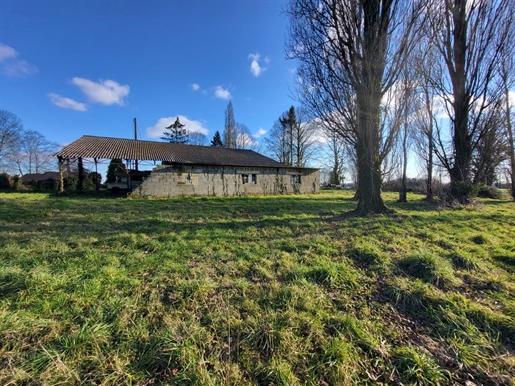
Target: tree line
235	135
23	151
379	75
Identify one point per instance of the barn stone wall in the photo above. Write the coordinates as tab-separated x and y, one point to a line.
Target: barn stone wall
199	180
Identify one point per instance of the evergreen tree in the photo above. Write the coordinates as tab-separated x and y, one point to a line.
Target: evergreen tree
114	165
217	140
176	133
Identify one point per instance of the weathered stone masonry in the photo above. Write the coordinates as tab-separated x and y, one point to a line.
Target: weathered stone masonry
205	180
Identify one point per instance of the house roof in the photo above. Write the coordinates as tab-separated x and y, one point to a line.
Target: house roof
40	177
26	178
108	148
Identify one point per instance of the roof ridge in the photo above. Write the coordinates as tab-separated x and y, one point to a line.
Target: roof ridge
170	143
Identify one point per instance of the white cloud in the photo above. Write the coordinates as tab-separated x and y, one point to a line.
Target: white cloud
157	130
67	103
222	93
259	133
195	86
255	68
107	92
7	52
12	66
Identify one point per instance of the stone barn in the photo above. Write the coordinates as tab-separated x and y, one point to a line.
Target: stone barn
190	170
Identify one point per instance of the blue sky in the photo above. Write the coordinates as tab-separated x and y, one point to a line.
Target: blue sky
71	68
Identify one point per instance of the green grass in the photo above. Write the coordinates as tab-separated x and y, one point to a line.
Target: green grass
272	290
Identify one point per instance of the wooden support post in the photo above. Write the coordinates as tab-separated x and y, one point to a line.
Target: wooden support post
96	176
80	186
61	178
127	170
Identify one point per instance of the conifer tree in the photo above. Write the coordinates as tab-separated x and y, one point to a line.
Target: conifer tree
116	164
217	140
176	133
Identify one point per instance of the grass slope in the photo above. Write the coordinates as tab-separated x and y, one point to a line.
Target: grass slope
254	291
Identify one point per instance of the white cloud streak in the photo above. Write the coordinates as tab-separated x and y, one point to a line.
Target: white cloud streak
191	126
12	65
255	68
222	93
107	92
67	103
195	86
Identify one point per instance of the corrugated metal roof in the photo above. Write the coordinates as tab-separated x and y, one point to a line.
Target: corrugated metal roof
108	148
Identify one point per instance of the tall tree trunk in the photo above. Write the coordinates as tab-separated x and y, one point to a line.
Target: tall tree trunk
367	151
403	192
429	183
369	185
460	172
509	129
368	98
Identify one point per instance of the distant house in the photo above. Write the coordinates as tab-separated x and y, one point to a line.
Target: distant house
190	170
36	177
47	180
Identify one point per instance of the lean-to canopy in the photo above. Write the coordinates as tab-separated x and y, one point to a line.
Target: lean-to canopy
110	148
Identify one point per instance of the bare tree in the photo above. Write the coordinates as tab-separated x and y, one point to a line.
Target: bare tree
407	108
277	143
11	128
230	131
469	36
335	151
33	153
195	138
244	138
491	149
292	139
350	53
507	76
305	132
426	113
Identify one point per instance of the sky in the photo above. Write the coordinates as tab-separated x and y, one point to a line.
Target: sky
84	67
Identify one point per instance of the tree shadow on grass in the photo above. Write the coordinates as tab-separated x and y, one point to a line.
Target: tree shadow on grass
439	319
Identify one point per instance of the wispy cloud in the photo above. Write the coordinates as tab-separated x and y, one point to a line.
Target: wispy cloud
255	68
191	126
7	52
67	103
195	87
259	133
107	92
222	93
12	65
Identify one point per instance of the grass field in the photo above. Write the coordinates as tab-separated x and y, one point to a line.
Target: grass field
254	291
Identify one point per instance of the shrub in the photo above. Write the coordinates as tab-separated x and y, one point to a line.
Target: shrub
48	184
5	181
490	192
